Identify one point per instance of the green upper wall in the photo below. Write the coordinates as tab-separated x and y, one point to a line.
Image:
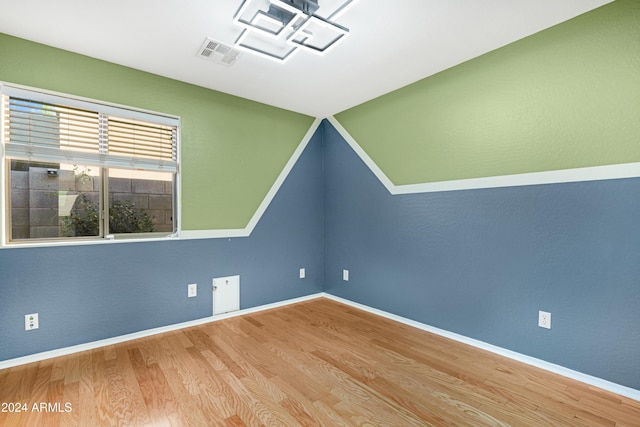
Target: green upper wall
232	149
566	97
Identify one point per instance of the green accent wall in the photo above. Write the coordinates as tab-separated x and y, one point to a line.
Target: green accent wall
566	97
232	149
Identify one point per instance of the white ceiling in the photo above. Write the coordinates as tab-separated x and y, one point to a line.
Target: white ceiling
391	43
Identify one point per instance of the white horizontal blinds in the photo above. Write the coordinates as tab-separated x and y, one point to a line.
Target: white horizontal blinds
53	128
43	131
143	144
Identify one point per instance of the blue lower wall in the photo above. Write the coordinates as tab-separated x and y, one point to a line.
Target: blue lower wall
93	292
481	263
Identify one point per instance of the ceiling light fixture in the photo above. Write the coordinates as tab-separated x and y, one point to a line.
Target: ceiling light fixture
276	29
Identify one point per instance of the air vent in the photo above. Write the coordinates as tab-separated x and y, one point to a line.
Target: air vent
218	52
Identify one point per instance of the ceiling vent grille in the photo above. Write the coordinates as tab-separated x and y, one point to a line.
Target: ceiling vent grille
218	52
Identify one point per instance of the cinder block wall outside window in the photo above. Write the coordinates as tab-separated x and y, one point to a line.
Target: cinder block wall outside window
37	196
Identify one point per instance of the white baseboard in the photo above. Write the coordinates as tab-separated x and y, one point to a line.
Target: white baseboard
146	333
560	370
551	367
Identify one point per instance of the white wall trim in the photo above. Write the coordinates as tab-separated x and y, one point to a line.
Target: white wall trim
594	173
182	234
146	333
390	186
519	357
214	234
244	232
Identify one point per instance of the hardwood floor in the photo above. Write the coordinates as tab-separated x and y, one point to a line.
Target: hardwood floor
316	363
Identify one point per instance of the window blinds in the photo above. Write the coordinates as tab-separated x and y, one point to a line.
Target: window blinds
47	127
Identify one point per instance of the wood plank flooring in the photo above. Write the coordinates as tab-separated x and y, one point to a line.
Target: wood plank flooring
316	363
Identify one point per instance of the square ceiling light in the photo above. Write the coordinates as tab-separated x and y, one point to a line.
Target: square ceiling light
269	18
275	29
317	35
276	49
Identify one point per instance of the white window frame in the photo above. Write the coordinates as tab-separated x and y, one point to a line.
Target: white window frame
103	107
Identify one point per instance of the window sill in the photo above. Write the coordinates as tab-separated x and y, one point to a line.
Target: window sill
85	242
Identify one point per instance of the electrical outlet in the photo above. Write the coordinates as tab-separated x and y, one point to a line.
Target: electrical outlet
544	319
345	275
192	290
31	321
303	273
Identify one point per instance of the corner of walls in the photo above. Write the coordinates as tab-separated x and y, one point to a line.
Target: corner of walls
323	125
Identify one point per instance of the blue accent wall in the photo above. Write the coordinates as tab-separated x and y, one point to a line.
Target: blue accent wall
93	292
481	263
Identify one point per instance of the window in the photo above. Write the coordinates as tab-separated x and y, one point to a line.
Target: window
78	169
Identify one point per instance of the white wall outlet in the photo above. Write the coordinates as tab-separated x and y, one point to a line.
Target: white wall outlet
192	290
345	275
31	321
544	319
303	273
